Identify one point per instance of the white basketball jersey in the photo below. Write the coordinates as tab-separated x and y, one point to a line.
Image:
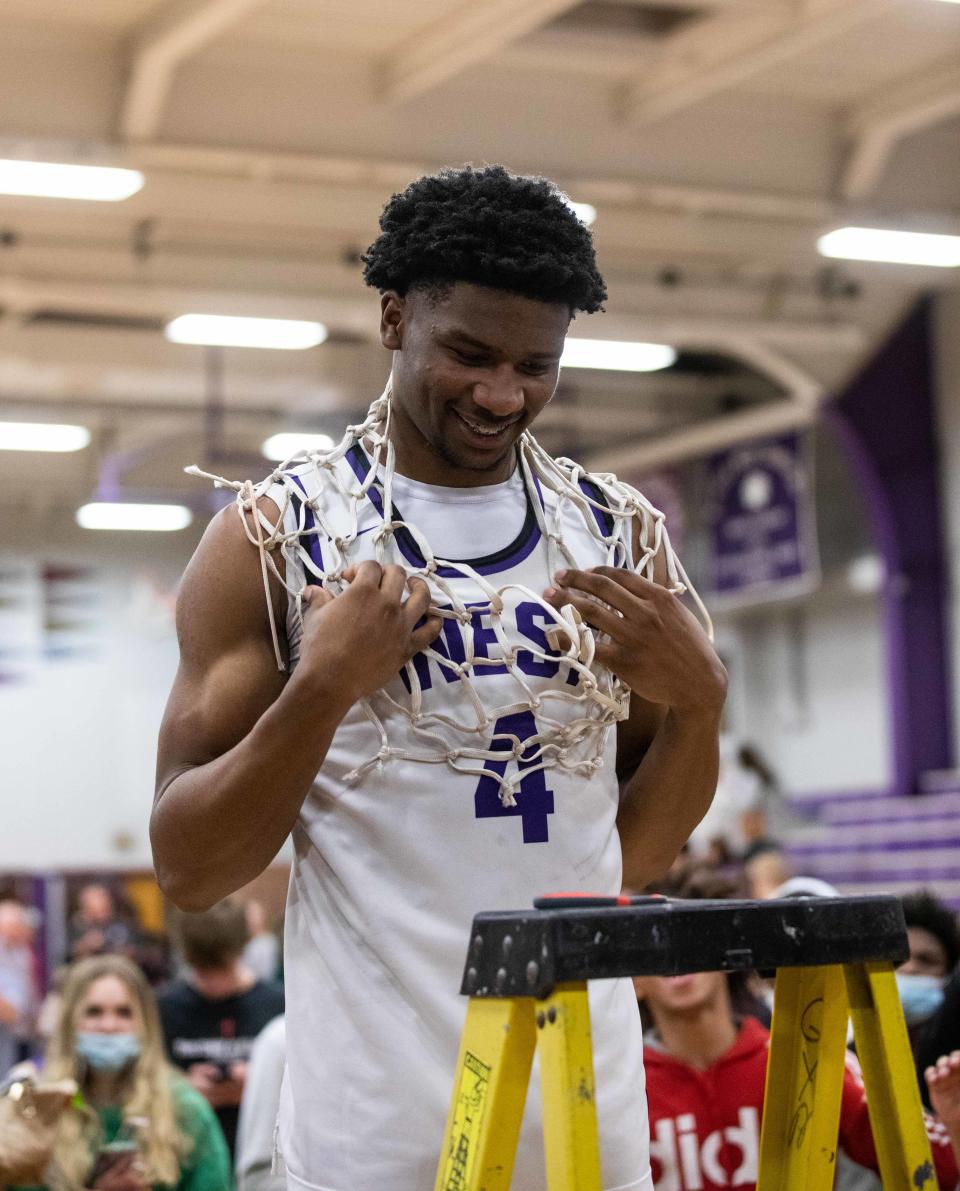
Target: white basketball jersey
391	866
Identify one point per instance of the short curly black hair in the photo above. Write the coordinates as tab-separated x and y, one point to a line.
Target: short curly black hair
925	910
488	227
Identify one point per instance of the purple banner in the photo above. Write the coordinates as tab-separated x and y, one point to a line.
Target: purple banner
762	523
664	490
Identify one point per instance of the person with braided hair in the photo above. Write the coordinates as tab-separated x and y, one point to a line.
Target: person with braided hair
458	670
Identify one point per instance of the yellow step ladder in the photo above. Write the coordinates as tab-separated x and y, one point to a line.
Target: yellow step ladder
526	976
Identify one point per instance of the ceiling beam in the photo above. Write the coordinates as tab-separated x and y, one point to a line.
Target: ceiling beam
177	163
704	332
380	174
197	239
177	31
877	126
703	438
22	296
472	33
723	53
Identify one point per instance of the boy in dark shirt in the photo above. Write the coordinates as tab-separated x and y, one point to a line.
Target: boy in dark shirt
211	1018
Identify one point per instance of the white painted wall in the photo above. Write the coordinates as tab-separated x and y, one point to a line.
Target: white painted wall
808	689
79	736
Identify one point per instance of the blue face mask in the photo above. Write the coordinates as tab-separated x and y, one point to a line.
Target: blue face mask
107	1052
920	996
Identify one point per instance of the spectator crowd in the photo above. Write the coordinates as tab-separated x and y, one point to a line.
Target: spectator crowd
169	1054
148	1041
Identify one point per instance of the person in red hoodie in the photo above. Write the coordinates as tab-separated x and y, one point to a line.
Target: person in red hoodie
705	1080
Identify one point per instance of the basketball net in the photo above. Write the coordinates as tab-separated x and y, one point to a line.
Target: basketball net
574	743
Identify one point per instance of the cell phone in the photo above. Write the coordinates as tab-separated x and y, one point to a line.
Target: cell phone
110	1154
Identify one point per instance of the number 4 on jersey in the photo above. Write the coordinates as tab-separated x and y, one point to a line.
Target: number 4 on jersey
534	800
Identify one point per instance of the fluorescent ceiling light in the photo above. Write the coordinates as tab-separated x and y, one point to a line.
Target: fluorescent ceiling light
617	355
148	518
586	213
280	447
42	436
892	247
47	179
225	330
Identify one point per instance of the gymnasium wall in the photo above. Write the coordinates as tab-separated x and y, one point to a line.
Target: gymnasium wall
813	703
947	381
822	690
808	674
81	698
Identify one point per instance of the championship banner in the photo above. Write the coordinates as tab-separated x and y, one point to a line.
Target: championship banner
762	520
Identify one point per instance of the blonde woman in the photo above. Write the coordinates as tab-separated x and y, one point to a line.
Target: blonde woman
137	1124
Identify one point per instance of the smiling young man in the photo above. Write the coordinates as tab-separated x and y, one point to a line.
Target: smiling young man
488	689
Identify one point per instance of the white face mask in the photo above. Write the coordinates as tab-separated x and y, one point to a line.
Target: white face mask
107	1052
921	996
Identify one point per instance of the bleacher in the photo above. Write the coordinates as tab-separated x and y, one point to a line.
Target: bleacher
876	842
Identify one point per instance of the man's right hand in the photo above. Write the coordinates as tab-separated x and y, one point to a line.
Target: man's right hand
366	634
204	1078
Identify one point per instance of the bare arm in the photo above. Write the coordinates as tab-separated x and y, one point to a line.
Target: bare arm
240	741
667	750
669	793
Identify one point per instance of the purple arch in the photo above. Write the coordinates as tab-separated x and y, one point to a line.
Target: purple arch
886	423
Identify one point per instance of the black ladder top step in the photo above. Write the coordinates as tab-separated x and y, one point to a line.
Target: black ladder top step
526	953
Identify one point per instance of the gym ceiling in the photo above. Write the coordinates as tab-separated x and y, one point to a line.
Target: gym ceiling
717	140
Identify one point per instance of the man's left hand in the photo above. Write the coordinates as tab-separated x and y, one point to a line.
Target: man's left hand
652	642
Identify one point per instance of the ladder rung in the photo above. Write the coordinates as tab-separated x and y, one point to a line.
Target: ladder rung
528	952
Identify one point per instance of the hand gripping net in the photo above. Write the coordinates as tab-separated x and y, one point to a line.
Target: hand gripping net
464	743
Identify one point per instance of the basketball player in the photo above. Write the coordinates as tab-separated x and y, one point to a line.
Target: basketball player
482	697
